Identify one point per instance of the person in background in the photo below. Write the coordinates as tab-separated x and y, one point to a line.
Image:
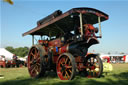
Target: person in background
3	58
15	57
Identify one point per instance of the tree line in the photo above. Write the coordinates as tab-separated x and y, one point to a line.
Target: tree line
20	51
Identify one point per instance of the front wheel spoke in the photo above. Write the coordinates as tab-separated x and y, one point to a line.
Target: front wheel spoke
97	66
97	73
94	73
93	60
89	66
68	67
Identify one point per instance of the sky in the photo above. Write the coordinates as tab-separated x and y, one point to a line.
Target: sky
23	15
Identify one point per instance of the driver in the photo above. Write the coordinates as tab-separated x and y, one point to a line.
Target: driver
89	27
89	30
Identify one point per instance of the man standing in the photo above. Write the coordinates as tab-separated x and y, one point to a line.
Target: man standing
15	59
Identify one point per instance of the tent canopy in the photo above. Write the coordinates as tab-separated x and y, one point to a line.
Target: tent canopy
8	55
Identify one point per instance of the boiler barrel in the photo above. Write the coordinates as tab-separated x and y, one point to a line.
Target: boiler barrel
49	17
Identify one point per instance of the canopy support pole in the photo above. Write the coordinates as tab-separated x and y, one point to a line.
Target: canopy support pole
81	24
100	33
41	37
32	39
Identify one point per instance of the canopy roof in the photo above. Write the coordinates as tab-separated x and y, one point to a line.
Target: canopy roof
64	22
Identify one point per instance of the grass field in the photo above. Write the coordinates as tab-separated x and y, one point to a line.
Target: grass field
20	76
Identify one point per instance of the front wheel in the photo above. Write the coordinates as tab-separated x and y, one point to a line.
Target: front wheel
94	66
66	66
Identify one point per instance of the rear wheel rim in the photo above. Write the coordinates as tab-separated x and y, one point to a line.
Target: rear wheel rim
34	64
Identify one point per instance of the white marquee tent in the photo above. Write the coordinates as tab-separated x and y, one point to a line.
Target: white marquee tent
8	55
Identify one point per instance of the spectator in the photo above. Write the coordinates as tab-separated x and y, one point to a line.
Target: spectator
3	58
14	57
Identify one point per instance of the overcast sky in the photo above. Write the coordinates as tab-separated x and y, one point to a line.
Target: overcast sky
24	14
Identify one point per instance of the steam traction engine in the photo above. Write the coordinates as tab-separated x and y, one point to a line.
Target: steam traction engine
65	39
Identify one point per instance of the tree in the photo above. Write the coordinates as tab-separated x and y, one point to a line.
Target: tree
20	51
10	49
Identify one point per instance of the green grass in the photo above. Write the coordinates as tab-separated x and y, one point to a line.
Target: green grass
20	76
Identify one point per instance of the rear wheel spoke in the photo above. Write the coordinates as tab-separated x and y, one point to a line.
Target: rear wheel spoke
68	67
69	63
38	59
33	69
67	75
66	60
31	61
32	54
70	71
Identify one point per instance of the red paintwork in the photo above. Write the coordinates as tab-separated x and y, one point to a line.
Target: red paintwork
2	63
74	43
60	71
88	30
108	58
55	59
31	58
42	41
124	58
7	63
63	49
54	43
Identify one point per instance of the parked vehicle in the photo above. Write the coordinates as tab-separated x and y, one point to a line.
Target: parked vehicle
65	39
11	63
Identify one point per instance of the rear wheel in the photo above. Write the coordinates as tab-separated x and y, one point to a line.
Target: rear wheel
66	67
36	67
94	66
